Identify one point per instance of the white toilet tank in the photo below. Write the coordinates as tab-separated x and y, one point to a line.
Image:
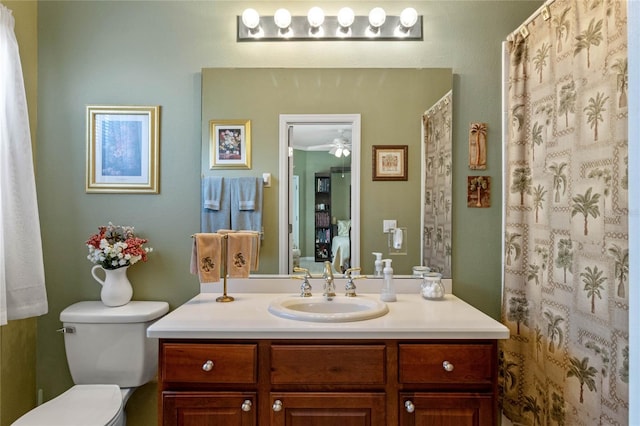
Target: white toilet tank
109	345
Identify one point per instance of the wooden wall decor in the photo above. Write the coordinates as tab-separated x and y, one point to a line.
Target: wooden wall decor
478	191
478	146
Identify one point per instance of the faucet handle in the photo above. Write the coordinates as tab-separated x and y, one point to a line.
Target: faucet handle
348	272
350	287
305	270
305	287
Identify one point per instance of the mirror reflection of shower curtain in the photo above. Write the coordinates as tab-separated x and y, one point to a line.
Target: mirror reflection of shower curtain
437	192
295	193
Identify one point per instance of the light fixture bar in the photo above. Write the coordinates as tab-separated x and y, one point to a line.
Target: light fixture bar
300	30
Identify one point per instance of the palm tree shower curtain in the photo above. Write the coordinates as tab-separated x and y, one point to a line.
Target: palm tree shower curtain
566	256
437	161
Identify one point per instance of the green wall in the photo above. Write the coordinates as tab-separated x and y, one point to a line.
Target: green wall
152	53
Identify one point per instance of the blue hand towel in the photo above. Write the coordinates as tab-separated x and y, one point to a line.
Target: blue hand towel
212	220
211	192
246	203
246	193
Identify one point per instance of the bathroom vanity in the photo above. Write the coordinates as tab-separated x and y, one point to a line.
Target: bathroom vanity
423	363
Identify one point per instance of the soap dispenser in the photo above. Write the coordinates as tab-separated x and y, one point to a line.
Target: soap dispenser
377	264
388	293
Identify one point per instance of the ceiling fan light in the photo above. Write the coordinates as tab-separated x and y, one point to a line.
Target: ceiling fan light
346	152
338	152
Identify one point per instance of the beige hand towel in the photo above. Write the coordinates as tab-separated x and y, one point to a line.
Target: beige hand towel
239	250
255	251
208	252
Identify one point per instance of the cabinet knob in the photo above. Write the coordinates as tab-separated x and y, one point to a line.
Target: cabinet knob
277	405
408	405
246	405
207	366
447	366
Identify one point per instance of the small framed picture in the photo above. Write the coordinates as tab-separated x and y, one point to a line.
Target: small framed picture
478	191
230	144
122	149
390	162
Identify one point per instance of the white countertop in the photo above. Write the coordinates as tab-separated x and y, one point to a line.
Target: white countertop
411	317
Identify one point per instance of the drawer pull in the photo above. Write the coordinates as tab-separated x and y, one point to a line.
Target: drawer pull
447	366
277	405
246	405
207	366
409	406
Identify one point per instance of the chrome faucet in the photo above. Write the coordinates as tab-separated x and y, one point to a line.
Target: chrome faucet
329	287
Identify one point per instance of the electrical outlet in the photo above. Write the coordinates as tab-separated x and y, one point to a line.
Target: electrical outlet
388	224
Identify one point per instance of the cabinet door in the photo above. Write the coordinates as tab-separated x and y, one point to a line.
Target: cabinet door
209	409
446	409
327	409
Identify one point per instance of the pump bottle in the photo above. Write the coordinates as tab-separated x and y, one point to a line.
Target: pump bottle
388	293
377	264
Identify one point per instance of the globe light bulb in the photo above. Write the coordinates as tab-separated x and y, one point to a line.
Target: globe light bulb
377	16
282	18
346	17
408	17
315	17
251	18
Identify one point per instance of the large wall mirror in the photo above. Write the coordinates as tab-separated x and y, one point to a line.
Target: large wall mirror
390	104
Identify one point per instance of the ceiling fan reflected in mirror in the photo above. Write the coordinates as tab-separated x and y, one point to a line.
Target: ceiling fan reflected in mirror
341	146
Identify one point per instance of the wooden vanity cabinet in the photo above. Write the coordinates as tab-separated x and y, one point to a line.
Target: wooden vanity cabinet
327	382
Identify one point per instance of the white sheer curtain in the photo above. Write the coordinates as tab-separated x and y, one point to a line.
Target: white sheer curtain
22	289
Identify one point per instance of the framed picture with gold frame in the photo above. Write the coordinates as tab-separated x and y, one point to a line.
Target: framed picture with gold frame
230	144
390	162
123	145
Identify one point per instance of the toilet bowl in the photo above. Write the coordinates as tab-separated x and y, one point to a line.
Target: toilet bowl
109	356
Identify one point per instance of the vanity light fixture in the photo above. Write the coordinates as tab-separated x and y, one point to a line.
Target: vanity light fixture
376	25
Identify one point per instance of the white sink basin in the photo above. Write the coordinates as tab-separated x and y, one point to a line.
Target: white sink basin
317	309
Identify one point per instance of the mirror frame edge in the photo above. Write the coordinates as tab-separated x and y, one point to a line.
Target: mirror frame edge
284	252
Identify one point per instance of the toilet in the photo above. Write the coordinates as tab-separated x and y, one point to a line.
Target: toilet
109	356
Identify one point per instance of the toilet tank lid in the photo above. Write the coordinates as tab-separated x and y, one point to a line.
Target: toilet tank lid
97	312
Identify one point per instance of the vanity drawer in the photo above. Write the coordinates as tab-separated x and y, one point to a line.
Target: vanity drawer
328	364
209	363
448	363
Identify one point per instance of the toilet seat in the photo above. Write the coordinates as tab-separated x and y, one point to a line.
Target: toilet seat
82	405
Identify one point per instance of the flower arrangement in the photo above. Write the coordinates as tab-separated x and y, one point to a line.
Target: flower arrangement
116	246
